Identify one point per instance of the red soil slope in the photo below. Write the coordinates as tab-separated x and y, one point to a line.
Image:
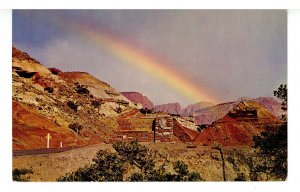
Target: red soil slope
30	130
183	133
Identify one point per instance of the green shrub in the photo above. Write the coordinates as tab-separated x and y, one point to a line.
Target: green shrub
76	127
49	89
118	110
200	128
81	89
108	166
19	174
55	71
273	143
240	177
96	103
72	105
146	111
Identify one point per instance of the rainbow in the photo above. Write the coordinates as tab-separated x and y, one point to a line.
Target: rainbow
145	62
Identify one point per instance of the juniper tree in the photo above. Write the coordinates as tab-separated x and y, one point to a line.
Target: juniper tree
273	143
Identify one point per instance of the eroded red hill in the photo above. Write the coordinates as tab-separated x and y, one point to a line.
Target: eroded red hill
238	127
31	128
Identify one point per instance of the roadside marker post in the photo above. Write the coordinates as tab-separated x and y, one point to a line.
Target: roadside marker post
48	137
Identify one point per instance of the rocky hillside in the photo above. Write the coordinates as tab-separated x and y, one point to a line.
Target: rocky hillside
68	101
78	109
136	97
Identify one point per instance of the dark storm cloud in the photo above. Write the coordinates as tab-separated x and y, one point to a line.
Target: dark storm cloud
229	53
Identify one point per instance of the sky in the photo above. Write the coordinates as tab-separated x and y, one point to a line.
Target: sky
183	56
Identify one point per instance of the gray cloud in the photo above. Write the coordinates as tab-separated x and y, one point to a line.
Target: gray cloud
228	53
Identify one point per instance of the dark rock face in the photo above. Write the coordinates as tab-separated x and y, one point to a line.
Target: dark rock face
25	74
55	71
139	98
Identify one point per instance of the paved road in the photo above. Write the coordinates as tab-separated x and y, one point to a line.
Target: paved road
41	151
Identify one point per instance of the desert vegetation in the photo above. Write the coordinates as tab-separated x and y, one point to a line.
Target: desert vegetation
72	105
76	127
21	174
272	144
49	89
55	71
118	110
201	127
131	162
81	89
96	103
146	111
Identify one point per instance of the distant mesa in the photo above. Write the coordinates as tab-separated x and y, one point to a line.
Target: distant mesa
208	115
175	108
170	108
191	109
244	98
136	97
206	112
